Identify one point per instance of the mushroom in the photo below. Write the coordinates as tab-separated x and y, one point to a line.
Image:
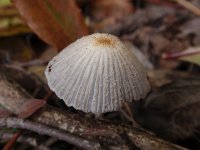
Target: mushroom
97	73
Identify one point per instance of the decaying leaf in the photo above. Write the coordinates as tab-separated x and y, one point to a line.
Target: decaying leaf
56	22
29	107
4	113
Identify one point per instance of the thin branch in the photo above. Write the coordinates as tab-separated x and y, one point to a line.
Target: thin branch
104	131
164	145
25	140
187	52
189	6
43	129
72	127
32	63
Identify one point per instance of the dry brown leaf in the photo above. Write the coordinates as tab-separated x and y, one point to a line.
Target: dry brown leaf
29	107
56	22
4	113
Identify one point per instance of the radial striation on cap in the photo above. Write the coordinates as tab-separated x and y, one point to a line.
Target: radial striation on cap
97	73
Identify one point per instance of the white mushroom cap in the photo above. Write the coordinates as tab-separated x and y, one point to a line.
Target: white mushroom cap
97	73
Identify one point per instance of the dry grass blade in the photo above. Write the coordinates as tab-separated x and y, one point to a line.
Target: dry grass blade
12	141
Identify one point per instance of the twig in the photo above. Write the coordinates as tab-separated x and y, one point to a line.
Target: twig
106	132
43	129
136	139
187	52
135	124
77	125
189	6
25	140
48	95
32	63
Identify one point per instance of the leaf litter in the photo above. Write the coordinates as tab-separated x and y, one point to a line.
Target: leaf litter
152	28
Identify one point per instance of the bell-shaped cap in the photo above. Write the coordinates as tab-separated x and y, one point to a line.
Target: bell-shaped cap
97	73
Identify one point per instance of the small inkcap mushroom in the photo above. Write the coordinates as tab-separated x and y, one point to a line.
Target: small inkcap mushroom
97	73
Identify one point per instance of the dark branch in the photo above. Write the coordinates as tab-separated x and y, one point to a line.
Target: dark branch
74	128
25	140
43	129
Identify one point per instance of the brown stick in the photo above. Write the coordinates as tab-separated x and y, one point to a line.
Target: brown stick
105	132
43	129
25	140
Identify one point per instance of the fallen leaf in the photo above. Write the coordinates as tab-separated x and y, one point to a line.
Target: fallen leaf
56	22
4	113
29	107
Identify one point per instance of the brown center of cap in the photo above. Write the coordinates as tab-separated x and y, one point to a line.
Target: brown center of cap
104	41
